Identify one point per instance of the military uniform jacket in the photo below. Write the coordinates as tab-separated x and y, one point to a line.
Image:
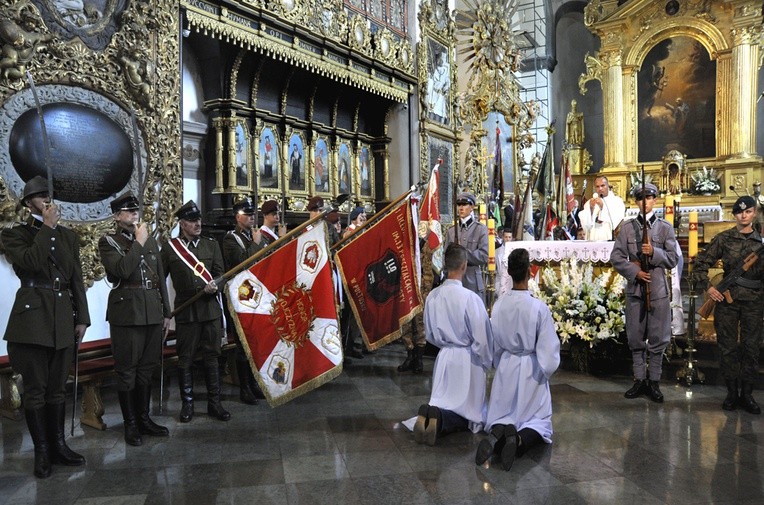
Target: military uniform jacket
626	256
474	238
187	283
269	236
732	247
139	296
43	256
238	246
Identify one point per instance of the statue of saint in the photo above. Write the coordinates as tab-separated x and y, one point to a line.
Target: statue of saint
574	126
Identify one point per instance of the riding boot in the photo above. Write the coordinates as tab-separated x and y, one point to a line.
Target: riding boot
638	388
254	387
246	395
60	453
730	402
212	378
132	434
36	424
746	399
142	401
654	391
186	385
417	367
408	363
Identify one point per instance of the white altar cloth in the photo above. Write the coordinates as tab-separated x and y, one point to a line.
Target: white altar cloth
558	250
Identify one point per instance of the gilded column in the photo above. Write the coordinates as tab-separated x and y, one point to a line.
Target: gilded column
216	124
745	64
613	95
724	108
231	130
630	111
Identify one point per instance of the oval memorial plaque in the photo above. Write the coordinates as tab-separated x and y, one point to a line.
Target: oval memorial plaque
91	155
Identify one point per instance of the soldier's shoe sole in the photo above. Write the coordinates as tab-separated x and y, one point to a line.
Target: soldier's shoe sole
421	424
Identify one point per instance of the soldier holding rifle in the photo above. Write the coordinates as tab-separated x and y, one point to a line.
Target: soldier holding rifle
648	310
49	317
739	307
193	263
138	312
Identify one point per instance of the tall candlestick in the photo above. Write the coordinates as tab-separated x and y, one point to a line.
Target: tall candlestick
482	213
692	247
491	245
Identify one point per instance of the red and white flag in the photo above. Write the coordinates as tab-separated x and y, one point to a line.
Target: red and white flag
284	312
379	272
429	218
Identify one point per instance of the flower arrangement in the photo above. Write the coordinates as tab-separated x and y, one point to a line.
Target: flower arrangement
706	180
635	179
585	308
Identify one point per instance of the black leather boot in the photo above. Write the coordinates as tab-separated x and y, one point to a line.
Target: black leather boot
408	363
60	453
37	429
639	387
491	445
142	402
730	402
212	378
417	367
654	391
254	386
132	434
746	399
186	385
246	395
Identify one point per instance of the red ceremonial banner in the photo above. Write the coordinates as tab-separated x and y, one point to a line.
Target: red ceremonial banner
283	308
379	272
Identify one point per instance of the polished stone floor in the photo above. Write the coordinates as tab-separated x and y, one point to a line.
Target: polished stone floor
344	444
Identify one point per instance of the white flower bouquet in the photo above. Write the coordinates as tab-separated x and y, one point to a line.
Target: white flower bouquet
585	308
706	180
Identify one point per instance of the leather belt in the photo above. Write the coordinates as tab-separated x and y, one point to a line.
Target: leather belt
148	285
56	285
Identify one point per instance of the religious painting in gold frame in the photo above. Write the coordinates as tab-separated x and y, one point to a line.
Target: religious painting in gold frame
269	162
344	168
295	163
321	167
441	150
437	99
365	171
239	157
677	100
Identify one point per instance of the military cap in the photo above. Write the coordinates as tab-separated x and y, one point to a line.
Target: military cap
649	189
125	201
315	203
35	186
269	207
355	213
244	206
465	197
742	203
189	211
333	217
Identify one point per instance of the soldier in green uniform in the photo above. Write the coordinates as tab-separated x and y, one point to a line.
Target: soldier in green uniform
238	245
49	317
138	312
193	263
739	362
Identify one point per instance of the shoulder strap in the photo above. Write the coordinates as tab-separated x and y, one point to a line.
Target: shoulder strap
190	259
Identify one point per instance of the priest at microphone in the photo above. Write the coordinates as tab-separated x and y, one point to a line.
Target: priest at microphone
602	213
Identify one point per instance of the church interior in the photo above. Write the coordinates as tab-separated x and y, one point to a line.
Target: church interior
523	103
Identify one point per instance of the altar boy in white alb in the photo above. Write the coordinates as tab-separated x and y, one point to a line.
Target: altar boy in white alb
526	352
455	320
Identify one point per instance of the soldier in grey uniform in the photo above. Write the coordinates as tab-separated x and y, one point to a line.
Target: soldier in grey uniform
646	344
474	237
138	312
49	317
193	263
739	363
238	245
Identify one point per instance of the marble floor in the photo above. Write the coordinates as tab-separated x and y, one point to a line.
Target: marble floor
344	443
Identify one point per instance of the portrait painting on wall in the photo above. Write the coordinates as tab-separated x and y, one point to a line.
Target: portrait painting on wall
321	167
344	169
269	159
443	151
677	102
438	98
365	170
296	163
241	157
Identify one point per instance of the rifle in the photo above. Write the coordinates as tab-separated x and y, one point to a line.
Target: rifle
643	259
724	286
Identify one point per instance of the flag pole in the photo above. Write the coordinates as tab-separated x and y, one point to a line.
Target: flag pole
377	216
259	254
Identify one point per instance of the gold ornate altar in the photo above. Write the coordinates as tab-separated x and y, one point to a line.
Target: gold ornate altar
635	72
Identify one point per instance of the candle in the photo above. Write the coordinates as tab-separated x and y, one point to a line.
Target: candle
692	248
482	213
668	209
491	245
